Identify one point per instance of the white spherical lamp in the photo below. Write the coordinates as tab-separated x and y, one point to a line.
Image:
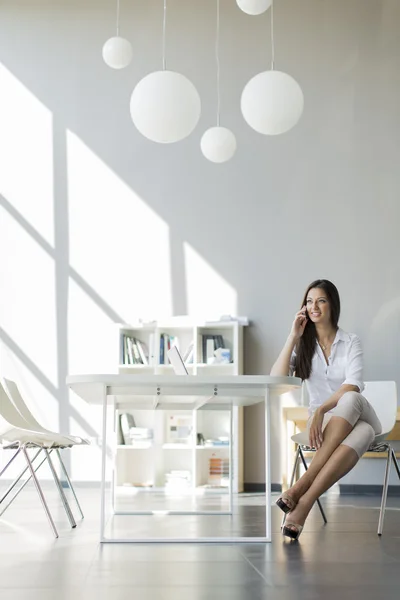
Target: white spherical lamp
254	7
165	106
117	52
272	102
218	144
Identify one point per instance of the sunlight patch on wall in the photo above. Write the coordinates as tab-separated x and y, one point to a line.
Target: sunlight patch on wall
28	296
93	343
26	154
209	295
118	244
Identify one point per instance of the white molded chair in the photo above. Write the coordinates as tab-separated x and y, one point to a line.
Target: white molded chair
63	441
382	395
18	435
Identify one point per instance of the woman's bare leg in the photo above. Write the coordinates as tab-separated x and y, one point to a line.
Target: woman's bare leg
343	459
335	432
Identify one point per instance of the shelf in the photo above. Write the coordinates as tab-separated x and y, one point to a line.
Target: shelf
212	447
214	418
177	447
141	446
169	370
215	366
149	368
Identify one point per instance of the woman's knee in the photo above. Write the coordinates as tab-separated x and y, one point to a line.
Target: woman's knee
360	438
349	407
353	399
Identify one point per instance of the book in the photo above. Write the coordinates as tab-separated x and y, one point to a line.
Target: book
126	422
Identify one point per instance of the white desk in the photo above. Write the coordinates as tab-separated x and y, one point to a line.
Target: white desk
162	392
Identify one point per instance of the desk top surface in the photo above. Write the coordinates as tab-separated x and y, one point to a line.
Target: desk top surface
215	390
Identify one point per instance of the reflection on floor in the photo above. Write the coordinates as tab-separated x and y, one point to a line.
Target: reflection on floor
344	559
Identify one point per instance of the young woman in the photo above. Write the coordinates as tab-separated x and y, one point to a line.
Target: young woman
342	423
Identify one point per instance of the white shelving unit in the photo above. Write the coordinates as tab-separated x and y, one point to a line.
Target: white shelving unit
146	464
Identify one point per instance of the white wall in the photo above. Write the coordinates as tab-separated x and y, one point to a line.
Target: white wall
99	225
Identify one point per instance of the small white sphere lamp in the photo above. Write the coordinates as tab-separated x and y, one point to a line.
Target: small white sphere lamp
254	7
117	52
165	106
218	144
272	102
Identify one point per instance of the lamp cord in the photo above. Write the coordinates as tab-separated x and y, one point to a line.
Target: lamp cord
218	67
117	18
272	37
164	62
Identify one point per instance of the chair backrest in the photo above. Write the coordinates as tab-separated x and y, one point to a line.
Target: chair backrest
19	403
382	395
9	412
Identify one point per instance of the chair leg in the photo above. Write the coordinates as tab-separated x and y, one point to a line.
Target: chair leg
12	486
318	501
21	487
14	456
396	464
69	481
384	491
60	490
40	493
296	461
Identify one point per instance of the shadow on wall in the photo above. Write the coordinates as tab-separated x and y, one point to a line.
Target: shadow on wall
382	341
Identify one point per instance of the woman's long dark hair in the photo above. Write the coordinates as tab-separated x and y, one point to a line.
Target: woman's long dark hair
305	347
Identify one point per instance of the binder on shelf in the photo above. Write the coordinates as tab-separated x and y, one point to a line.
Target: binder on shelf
126	422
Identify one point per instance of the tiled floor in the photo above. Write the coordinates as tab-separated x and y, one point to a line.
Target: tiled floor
344	559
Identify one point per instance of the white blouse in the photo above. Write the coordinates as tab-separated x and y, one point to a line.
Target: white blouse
345	366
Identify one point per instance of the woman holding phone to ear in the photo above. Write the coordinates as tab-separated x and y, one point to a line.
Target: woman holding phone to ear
342	424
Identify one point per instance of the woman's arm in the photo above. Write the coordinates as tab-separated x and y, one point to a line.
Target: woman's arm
282	363
334	399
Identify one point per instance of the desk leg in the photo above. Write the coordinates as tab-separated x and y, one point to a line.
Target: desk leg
267	468
103	466
231	450
114	455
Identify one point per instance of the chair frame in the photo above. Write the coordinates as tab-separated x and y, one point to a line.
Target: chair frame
18	447
28	424
23	447
379	447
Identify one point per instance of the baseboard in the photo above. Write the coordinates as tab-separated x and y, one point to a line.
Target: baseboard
368	490
252	488
49	484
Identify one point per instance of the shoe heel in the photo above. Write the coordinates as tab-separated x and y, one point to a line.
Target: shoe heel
291	533
282	505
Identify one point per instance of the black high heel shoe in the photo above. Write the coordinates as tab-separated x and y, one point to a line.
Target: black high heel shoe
286	502
293	534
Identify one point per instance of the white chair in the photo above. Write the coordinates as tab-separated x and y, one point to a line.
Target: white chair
17	435
68	440
382	395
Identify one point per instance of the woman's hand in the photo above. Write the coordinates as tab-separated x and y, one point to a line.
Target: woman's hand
299	324
315	434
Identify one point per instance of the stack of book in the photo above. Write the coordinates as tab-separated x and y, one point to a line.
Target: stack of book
134	351
218	472
140	437
221	441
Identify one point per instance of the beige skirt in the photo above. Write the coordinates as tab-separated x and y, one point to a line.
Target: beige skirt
356	409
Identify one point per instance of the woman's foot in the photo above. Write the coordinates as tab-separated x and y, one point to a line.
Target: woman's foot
286	502
295	520
292	531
